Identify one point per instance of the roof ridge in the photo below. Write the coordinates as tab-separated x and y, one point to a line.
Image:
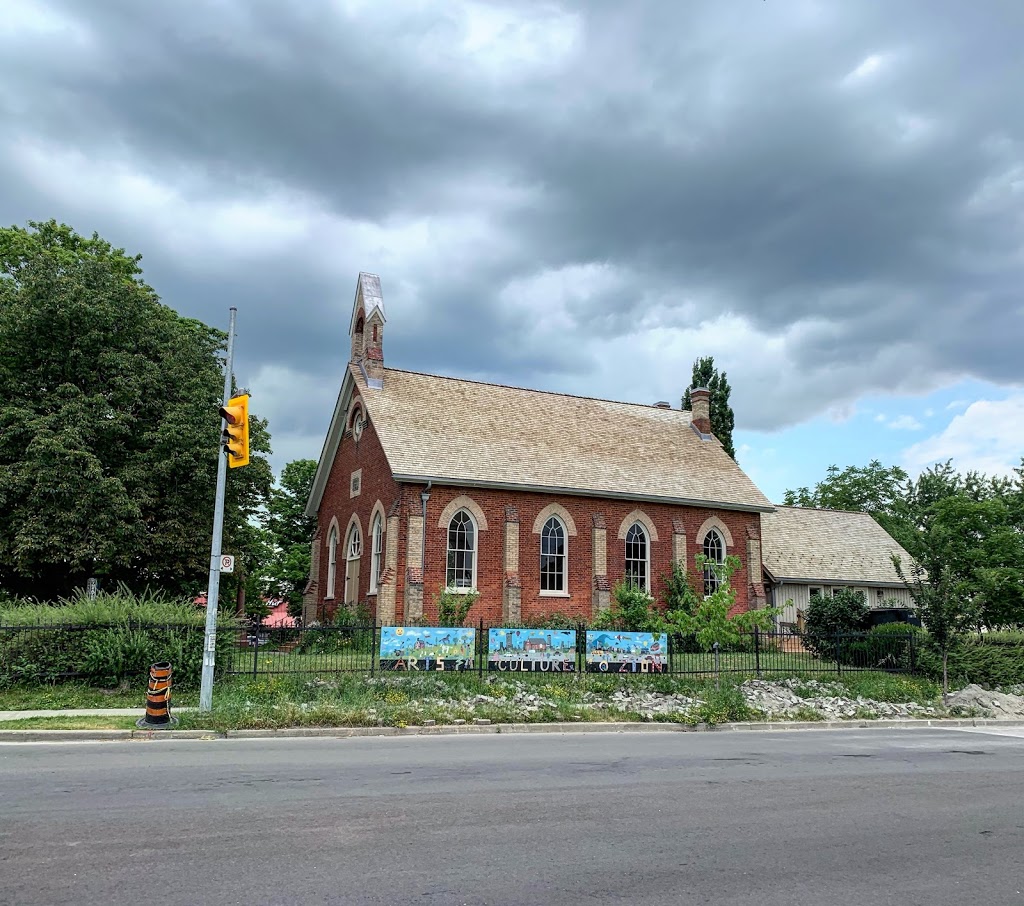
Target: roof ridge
575	396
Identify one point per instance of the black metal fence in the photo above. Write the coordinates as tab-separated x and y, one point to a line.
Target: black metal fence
110	653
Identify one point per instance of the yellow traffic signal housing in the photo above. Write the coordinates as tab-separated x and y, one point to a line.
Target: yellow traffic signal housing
236	432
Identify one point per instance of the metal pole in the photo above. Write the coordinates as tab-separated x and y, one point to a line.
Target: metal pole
213	589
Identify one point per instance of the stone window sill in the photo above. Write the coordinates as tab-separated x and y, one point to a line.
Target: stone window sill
555	594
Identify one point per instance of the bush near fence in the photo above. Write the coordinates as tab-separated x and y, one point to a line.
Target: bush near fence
106	641
994	659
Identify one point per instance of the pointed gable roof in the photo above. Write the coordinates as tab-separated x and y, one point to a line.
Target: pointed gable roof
368	297
467	433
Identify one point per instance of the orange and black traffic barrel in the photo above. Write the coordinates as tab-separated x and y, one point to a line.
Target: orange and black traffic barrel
158	699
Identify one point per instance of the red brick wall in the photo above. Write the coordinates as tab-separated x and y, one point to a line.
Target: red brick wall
377	484
490	549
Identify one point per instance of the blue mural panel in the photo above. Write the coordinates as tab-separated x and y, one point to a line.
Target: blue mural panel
531	650
427	648
626	652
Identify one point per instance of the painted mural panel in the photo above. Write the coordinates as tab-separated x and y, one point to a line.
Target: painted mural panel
531	650
626	652
427	648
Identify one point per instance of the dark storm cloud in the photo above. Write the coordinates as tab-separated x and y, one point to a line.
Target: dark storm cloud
846	176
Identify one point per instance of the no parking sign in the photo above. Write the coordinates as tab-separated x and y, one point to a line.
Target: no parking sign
227	564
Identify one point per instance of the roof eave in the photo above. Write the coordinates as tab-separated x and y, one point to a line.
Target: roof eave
580	492
330	448
835	580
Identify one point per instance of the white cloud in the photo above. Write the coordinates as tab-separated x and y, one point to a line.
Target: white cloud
880	418
987	437
905	423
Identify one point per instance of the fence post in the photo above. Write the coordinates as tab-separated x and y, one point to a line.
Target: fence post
839	664
581	647
373	649
718	678
757	652
480	650
913	659
256	651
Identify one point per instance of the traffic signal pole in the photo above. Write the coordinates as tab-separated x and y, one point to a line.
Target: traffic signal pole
213	589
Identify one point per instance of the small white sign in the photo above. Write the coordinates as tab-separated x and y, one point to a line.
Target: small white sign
227	564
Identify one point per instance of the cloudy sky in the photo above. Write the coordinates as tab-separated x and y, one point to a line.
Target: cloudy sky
828	197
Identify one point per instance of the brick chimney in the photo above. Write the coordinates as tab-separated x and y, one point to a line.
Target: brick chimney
700	408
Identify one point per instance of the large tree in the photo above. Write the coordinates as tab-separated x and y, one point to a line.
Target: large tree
290	531
108	423
722	419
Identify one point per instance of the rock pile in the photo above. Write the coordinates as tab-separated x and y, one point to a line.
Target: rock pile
815	699
974	701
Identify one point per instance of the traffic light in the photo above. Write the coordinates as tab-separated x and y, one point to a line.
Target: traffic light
236	433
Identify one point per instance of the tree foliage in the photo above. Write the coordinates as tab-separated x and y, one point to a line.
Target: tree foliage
722	419
290	531
108	424
873	489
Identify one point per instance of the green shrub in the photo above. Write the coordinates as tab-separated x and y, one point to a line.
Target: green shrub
891	646
453	607
844	612
632	610
999	663
106	641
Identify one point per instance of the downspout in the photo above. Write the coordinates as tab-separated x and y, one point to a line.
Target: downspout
424	497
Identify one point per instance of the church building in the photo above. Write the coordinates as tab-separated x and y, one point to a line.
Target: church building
540	501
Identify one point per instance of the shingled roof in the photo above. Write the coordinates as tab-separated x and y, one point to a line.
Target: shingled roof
474	434
801	544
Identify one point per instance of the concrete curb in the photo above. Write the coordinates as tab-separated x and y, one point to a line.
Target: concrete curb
10	736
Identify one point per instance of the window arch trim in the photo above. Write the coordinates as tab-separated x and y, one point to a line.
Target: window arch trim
714	522
645	520
555	509
462	502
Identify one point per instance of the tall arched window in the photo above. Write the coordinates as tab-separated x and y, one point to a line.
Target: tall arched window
714	552
353	551
332	560
376	556
637	557
552	556
461	573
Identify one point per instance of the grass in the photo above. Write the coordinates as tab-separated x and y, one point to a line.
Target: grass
400	699
69	723
78	695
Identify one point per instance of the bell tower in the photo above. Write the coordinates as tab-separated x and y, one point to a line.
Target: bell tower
366	329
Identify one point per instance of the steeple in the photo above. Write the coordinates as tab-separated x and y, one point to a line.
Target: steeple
366	329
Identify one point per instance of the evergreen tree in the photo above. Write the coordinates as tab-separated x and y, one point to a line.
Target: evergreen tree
722	419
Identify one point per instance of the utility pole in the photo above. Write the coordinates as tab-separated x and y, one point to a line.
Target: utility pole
213	589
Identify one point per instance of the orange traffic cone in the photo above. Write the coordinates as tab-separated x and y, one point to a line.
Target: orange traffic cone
158	699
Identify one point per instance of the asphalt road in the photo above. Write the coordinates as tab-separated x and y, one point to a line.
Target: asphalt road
929	817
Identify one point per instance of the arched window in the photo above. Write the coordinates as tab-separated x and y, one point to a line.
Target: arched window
332	560
376	558
353	551
461	573
552	556
714	552
637	557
